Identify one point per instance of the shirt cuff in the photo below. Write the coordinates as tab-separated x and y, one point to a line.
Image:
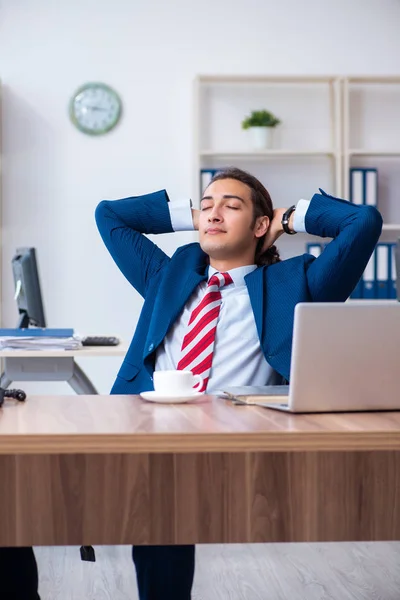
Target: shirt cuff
180	212
299	218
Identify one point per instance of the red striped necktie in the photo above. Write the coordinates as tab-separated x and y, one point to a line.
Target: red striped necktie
198	343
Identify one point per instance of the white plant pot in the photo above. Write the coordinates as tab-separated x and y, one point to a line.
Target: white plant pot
261	137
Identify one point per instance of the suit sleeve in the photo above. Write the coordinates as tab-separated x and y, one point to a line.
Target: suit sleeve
122	223
355	230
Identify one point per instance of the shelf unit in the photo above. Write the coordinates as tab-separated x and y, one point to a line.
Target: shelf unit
264	153
373	153
391	227
369	104
1	221
221	102
351	106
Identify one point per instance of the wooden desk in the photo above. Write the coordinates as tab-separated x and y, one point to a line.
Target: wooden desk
54	365
117	470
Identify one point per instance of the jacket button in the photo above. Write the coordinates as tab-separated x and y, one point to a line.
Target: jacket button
151	347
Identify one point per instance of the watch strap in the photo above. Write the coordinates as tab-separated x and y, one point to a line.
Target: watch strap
285	220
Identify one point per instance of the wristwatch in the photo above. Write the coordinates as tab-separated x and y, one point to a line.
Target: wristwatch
285	220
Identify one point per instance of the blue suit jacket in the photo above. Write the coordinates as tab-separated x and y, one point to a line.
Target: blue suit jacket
167	282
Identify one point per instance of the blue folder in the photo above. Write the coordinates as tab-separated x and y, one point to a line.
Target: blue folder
392	272
382	273
364	186
36	332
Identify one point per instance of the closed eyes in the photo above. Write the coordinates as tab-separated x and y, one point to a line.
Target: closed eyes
203	208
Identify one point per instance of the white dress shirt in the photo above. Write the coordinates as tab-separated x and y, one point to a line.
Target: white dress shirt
237	358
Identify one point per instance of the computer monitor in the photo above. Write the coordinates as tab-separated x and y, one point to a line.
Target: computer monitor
27	288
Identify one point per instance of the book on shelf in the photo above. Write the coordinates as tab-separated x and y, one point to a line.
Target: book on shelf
382	271
315	249
367	281
394	269
205	178
378	281
364	186
379	278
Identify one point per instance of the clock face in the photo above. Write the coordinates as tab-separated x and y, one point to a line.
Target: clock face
95	108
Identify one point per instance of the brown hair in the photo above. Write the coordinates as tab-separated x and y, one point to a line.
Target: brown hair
262	206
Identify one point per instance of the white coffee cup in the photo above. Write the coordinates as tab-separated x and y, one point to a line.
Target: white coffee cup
176	383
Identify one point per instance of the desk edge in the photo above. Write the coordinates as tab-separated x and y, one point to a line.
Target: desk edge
175	443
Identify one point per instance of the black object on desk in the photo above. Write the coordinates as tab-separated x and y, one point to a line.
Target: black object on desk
98	340
16	394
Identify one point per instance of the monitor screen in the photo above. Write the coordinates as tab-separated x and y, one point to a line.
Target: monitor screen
27	288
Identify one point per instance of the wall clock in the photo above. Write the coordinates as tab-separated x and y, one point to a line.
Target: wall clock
95	108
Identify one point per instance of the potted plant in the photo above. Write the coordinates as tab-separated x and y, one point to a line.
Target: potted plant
261	123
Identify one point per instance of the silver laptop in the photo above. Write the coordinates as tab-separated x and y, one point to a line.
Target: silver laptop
345	357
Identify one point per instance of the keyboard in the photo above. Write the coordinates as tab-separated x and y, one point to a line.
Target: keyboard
100	340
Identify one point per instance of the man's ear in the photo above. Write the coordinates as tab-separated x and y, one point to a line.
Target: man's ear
261	227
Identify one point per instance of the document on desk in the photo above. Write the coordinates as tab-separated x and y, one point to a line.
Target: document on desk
262	395
40	343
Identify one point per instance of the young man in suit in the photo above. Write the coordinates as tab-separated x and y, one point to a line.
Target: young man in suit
237	231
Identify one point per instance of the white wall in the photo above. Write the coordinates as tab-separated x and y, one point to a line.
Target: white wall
149	51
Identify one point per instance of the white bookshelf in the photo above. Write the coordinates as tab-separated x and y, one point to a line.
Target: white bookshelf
361	152
1	221
222	102
371	138
264	153
391	227
328	124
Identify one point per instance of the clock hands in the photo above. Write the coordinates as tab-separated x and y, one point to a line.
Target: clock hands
98	108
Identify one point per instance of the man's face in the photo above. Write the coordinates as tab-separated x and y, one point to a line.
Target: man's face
225	220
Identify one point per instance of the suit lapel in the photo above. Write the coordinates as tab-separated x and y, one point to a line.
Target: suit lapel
255	287
179	281
183	290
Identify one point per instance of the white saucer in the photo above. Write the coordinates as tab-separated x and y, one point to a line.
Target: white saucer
169	399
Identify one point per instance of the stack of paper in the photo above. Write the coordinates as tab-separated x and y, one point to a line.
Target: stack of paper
40	343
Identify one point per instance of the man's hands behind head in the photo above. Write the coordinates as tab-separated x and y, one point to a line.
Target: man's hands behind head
275	229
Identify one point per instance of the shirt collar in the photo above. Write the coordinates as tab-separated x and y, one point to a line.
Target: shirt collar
237	274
